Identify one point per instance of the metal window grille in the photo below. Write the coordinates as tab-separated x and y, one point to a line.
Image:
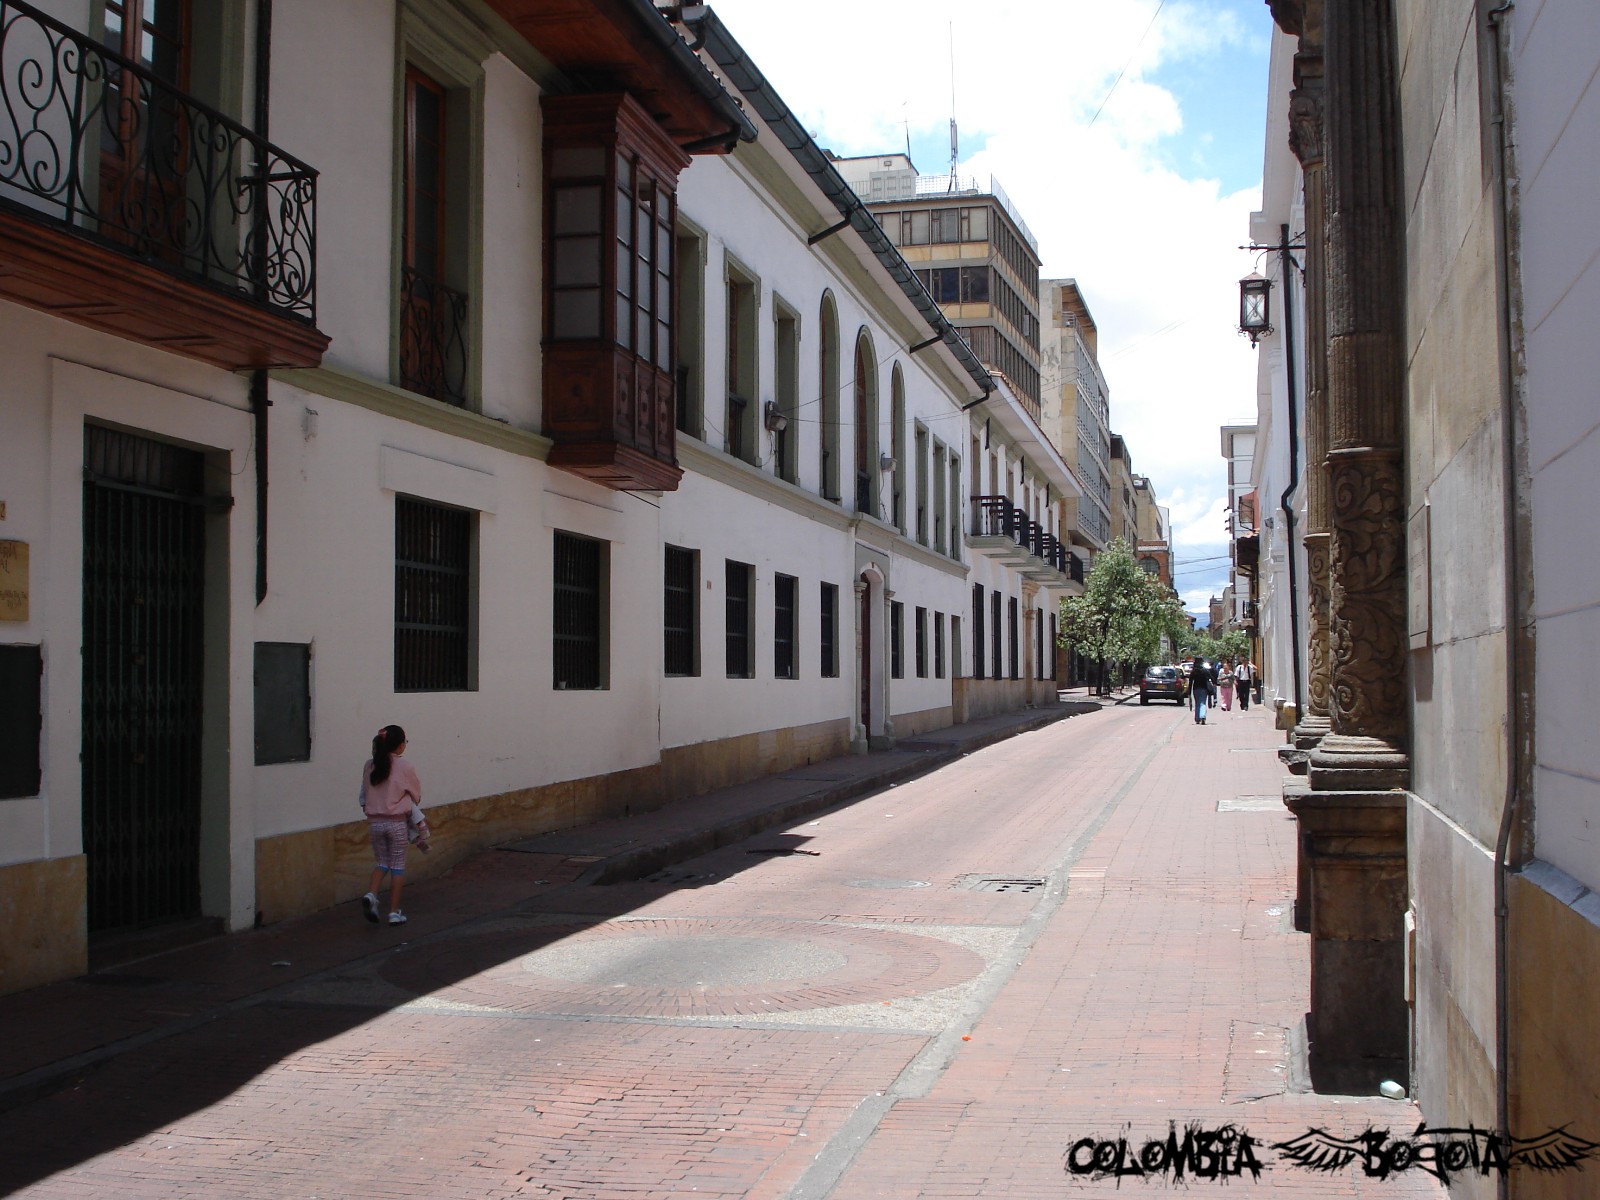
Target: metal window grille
938	645
996	635
737	600
783	626
432	596
922	643
1038	638
897	613
977	631
678	612
1054	674
829	611
578	612
1011	632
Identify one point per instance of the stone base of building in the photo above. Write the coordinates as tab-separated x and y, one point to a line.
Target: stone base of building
44	922
974	699
1353	845
1341	763
1554	968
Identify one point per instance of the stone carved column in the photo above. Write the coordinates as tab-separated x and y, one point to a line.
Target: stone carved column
1365	402
1353	869
1306	139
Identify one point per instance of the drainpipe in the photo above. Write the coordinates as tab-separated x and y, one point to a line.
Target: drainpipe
1285	502
260	400
1519	697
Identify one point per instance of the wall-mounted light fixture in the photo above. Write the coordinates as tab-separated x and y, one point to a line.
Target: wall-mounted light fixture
773	419
885	462
1255	306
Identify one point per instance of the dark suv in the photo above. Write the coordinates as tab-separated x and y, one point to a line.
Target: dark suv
1166	683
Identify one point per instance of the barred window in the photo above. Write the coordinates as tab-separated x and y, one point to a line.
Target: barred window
579	613
829	612
739	658
897	621
679	611
938	645
783	626
977	631
1011	629
432	597
921	634
996	636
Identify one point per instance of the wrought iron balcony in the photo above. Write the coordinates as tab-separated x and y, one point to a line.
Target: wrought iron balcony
113	183
433	338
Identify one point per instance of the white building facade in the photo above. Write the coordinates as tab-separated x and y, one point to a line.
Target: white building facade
541	426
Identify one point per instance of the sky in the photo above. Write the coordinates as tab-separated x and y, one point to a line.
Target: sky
1128	135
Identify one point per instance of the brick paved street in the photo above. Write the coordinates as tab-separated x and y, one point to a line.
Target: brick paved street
933	991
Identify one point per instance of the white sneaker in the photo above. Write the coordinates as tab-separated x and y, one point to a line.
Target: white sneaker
369	905
395	918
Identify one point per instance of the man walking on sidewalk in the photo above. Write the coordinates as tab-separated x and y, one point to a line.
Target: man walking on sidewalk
1244	679
1200	678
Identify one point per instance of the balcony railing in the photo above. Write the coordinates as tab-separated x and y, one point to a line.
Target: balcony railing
433	338
994	517
96	144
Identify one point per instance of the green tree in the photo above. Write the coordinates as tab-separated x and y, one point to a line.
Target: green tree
1123	613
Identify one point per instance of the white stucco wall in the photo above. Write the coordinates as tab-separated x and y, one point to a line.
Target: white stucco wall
1557	133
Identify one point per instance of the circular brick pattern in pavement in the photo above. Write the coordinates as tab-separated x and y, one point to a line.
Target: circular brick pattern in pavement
687	967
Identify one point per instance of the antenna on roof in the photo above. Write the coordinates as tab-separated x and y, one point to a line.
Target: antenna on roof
954	143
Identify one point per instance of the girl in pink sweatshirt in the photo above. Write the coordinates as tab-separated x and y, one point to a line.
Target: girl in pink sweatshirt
390	790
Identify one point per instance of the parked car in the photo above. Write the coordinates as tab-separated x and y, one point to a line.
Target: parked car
1165	683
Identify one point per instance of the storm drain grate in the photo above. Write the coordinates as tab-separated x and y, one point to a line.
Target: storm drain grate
1004	883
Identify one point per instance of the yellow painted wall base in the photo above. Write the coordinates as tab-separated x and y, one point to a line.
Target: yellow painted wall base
44	922
973	699
299	873
1555	1040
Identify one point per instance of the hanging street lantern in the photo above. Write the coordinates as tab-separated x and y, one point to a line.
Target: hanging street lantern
1255	307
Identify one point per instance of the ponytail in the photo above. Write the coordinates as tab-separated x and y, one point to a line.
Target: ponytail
389	739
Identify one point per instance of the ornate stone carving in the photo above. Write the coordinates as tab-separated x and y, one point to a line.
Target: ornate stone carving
1305	125
1318	568
1368	626
1289	15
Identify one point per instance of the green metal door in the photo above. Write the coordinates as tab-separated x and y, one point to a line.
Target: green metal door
143	604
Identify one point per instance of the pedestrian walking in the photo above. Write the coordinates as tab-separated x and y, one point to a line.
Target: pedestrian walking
1200	689
391	796
1243	675
1225	678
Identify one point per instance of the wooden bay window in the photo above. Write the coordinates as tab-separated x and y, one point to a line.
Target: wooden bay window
611	178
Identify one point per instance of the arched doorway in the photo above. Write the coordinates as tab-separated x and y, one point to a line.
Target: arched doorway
872	729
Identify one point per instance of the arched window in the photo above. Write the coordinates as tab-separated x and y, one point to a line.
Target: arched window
828	401
866	425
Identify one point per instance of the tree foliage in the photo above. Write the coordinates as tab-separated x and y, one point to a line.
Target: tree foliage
1233	644
1123	613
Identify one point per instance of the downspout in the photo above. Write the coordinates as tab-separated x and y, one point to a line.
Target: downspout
1519	718
1285	502
260	400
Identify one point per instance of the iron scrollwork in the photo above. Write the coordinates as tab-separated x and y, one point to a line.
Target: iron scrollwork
97	144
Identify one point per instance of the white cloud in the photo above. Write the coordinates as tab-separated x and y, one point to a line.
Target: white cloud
1155	251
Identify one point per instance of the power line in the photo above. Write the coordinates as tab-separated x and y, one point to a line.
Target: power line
1126	65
